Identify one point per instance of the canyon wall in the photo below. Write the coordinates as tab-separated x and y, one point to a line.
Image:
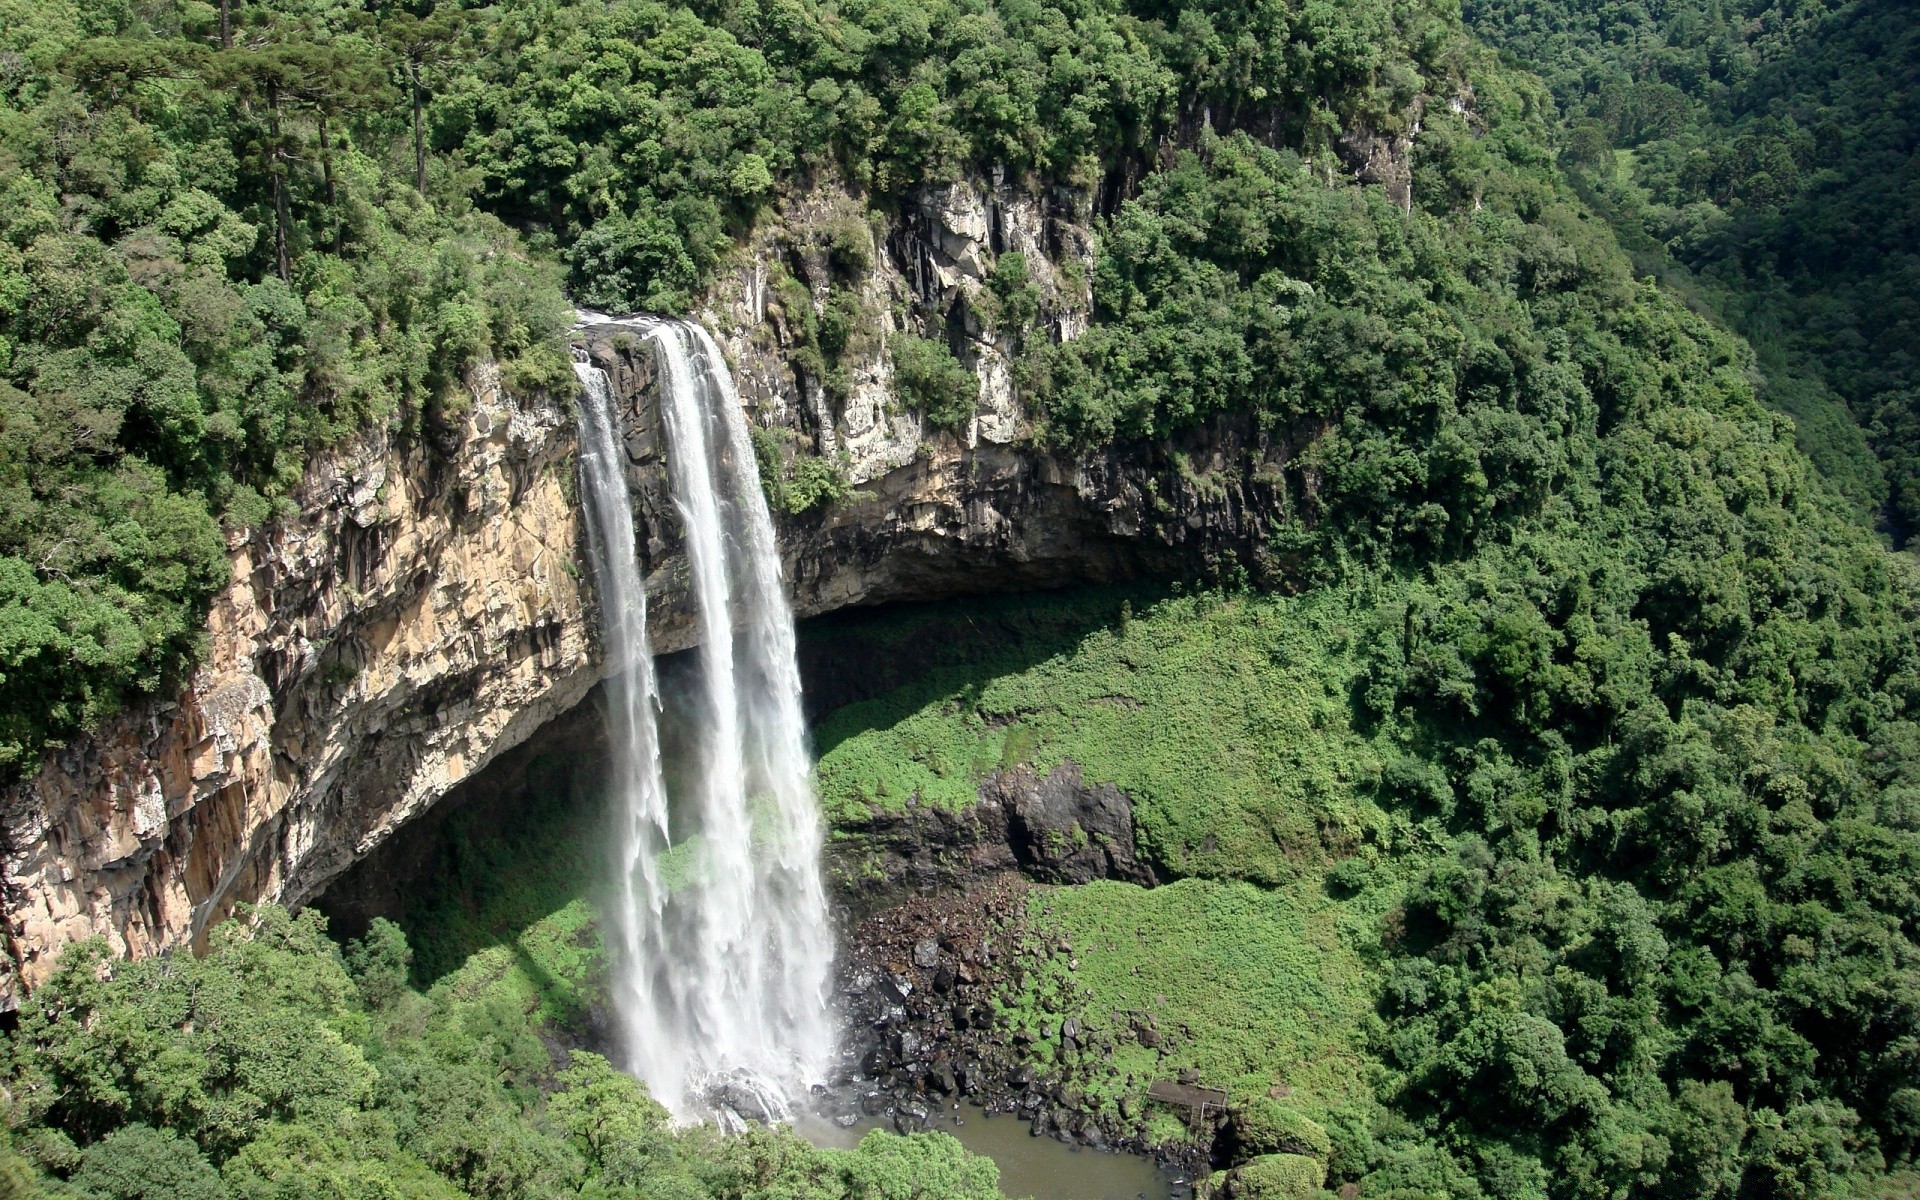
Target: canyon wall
428	607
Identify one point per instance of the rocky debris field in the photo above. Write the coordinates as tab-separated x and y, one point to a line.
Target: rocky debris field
929	989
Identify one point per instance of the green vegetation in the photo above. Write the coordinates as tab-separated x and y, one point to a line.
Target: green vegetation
234	236
1274	1177
494	871
1630	680
276	1067
1764	149
928	376
1242	982
1227	723
795	480
1558	836
212	261
1558	900
642	136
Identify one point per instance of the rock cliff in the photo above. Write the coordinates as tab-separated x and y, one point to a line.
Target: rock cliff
418	613
428	607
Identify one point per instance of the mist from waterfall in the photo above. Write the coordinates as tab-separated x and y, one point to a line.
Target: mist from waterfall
719	929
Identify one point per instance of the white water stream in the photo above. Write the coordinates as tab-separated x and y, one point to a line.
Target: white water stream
720	931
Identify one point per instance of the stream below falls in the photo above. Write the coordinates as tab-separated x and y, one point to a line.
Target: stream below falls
1037	1168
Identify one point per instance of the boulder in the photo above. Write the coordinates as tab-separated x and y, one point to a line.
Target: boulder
1267	1126
1274	1177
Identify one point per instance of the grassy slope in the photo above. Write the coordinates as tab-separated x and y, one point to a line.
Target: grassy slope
1254	987
1228	721
1225	720
552	966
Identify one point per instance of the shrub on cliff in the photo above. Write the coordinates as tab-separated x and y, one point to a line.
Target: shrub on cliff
933	381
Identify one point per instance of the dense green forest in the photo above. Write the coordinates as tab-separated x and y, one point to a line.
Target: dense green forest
1572	786
212	260
1766	149
235	235
277	1067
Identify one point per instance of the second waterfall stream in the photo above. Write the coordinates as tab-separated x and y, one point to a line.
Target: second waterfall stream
718	927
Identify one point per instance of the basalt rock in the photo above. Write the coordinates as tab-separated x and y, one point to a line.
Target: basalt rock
1054	828
1063	831
918	1053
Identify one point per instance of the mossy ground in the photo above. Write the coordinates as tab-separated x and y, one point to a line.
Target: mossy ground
554	967
1226	719
1229	720
1250	987
498	882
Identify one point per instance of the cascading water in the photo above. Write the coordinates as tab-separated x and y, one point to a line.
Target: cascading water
722	941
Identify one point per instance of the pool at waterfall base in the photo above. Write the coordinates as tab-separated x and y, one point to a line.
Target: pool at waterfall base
1031	1168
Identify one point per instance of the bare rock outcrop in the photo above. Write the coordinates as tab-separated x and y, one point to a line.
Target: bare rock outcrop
1054	828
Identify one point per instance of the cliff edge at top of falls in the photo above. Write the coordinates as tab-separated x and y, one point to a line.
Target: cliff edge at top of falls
429	606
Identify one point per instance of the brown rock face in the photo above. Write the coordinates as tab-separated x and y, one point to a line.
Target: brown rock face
431	607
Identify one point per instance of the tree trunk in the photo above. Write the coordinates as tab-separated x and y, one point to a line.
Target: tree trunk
277	167
326	169
226	24
419	131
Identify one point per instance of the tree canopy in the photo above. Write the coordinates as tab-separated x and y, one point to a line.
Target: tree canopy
276	1066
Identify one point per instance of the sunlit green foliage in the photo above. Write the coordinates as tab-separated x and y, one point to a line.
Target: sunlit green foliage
1622	872
642	135
927	376
209	266
1275	1177
1246	985
1228	724
795	480
138	1162
267	1070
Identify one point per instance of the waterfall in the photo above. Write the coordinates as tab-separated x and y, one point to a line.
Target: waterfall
722	943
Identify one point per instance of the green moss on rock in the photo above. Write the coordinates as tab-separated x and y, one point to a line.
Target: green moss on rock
1271	1177
1265	1126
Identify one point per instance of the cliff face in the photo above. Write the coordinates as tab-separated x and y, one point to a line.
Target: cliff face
420	611
429	609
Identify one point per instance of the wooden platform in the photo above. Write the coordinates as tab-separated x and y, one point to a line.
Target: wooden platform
1187	1095
1200	1102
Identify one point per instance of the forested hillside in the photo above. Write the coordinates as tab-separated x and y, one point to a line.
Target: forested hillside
237	234
1770	148
1569	712
273	1068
